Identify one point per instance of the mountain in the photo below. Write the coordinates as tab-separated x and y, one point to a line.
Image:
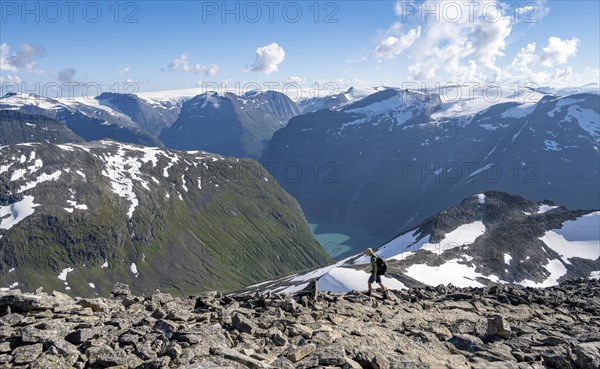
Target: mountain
80	217
95	128
229	124
335	100
149	115
18	128
490	238
386	161
88	118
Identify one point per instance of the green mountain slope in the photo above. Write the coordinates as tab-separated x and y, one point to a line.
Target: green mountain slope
152	218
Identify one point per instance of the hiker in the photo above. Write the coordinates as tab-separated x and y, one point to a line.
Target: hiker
375	273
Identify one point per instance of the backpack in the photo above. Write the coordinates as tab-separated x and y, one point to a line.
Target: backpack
381	265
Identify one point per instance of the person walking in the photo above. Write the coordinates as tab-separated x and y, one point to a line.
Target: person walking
377	270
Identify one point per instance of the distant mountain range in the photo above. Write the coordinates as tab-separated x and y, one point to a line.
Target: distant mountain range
378	158
230	124
91	119
226	124
387	161
488	239
80	217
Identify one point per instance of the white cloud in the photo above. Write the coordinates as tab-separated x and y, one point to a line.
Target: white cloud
22	60
182	64
10	79
459	43
66	75
465	41
392	45
212	69
558	51
295	79
124	70
268	58
5	65
527	63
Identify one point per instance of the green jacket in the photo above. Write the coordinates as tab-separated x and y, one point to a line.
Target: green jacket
373	263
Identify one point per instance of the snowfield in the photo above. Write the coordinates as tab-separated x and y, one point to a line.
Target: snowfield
460	275
576	239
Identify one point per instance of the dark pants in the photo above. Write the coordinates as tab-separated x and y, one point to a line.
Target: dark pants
375	278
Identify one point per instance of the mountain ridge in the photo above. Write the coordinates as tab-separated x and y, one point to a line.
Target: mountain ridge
75	216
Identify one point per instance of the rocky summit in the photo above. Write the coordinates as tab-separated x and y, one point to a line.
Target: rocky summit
428	327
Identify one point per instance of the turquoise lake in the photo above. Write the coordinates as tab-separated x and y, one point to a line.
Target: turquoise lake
342	240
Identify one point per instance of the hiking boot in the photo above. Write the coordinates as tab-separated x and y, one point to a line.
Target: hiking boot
368	293
385	295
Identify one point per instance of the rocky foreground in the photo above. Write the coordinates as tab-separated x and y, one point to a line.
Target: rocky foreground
443	327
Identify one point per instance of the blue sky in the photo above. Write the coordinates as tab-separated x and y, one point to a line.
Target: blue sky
181	44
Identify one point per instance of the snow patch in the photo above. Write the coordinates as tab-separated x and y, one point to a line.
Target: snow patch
551	145
460	275
519	111
579	238
405	245
13	214
556	269
77	206
587	119
63	275
346	279
545	208
318	272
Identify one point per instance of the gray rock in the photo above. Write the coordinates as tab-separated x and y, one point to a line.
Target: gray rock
556	361
242	324
497	326
333	355
48	361
301	352
282	363
27	354
120	290
20	303
240	358
465	342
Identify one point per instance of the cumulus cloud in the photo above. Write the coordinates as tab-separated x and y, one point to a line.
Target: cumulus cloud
528	62
124	70
66	75
465	41
558	51
392	45
182	64
22	60
268	58
458	43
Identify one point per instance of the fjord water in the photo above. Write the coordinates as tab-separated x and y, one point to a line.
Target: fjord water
342	240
